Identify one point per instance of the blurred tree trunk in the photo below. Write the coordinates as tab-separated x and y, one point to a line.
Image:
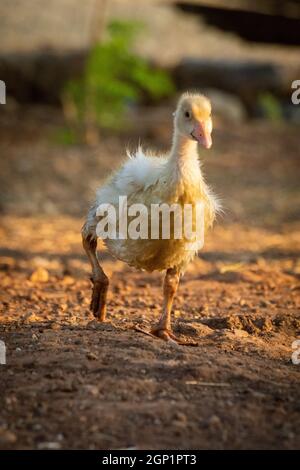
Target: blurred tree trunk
97	31
98	20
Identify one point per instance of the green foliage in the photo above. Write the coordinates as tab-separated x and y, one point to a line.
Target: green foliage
114	77
65	136
270	107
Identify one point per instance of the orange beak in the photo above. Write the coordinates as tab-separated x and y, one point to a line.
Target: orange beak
202	135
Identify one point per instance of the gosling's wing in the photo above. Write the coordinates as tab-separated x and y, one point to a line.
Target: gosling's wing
139	172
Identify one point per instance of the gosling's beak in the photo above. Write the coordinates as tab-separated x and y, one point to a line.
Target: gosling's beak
202	134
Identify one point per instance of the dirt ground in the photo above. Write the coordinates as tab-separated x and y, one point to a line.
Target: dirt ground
71	382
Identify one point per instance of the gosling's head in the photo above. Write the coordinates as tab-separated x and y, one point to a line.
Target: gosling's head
192	118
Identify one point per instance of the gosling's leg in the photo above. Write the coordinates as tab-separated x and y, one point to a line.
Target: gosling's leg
163	329
99	279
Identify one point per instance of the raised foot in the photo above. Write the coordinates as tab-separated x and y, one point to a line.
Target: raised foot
166	335
98	302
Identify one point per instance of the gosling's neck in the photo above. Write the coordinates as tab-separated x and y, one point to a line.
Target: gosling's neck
184	165
183	151
183	147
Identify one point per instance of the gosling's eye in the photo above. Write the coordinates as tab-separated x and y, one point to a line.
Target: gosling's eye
187	114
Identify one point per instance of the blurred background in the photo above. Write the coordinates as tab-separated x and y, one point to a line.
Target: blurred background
84	79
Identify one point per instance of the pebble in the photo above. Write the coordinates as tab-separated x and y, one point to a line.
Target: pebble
180	419
68	281
240	333
49	445
92	356
214	421
92	389
7	437
40	275
264	303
